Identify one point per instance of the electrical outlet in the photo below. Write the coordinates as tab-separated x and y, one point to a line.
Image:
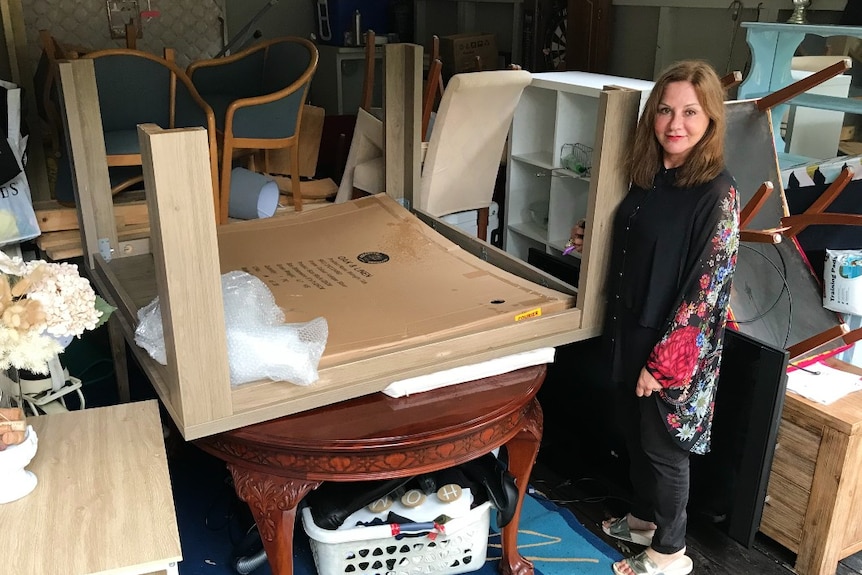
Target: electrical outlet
120	13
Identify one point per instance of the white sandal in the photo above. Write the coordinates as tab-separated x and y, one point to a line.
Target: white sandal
642	564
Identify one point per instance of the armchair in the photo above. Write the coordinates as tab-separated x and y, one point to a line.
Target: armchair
257	96
44	83
138	88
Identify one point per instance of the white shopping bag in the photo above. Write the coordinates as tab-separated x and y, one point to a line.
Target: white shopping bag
17	218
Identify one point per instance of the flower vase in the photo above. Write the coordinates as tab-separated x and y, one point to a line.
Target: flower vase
12	417
19	441
15	480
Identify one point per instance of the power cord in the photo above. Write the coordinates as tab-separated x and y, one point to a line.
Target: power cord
785	288
735	15
594	499
226	512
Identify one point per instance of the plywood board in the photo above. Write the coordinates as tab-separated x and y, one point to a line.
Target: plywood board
53	217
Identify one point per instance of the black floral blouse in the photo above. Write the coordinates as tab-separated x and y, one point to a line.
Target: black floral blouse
674	254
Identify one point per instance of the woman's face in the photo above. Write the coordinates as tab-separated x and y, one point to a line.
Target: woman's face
680	122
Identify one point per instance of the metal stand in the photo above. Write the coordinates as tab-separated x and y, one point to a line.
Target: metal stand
241	34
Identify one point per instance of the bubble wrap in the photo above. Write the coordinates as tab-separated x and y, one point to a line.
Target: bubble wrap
259	344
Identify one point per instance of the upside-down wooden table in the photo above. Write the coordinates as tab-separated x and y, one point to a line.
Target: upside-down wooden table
276	463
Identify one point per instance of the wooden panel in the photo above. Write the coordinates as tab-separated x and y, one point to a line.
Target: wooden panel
402	97
617	118
832	494
61	237
844	415
109	465
53	217
588	36
853	530
83	121
176	172
796	454
784	511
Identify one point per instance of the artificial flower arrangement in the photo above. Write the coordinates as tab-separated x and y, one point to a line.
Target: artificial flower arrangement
42	307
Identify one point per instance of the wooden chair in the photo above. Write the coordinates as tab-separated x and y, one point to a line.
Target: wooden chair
258	95
45	84
365	101
433	84
434	87
367	175
137	87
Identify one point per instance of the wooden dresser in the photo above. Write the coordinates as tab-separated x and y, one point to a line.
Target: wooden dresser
814	498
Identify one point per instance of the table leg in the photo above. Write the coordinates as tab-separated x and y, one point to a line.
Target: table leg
272	500
830	516
522	451
118	354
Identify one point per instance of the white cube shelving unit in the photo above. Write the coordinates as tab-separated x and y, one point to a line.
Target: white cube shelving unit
556	109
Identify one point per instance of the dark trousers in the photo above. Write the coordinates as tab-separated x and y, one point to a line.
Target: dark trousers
659	470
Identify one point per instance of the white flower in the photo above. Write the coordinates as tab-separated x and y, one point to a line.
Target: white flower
701	404
686	432
41	303
68	299
11	266
30	351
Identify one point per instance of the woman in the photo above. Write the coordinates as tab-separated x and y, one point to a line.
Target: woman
675	240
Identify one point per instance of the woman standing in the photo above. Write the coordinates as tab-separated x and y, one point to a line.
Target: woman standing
675	241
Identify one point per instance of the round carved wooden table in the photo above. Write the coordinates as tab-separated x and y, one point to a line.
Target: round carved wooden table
276	463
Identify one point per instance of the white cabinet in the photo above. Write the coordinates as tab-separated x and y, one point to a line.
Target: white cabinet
812	132
557	109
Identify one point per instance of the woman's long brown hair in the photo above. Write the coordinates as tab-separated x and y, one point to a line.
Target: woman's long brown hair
706	159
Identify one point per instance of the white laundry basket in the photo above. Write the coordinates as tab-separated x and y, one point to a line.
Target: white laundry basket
460	548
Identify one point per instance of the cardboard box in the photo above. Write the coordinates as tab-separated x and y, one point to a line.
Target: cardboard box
459	53
383	280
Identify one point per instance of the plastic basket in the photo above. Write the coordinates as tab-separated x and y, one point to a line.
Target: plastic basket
577	158
460	548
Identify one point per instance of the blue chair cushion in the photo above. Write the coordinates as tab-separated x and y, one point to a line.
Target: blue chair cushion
219	104
122	142
64	191
132	91
259	73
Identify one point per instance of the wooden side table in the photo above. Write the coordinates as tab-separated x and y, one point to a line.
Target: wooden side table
275	464
103	503
814	498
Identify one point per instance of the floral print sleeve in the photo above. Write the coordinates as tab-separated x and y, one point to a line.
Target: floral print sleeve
687	357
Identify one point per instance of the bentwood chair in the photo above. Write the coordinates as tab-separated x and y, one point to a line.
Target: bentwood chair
137	87
45	85
258	95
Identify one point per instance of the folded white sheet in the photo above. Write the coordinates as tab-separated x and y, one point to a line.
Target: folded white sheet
469	372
